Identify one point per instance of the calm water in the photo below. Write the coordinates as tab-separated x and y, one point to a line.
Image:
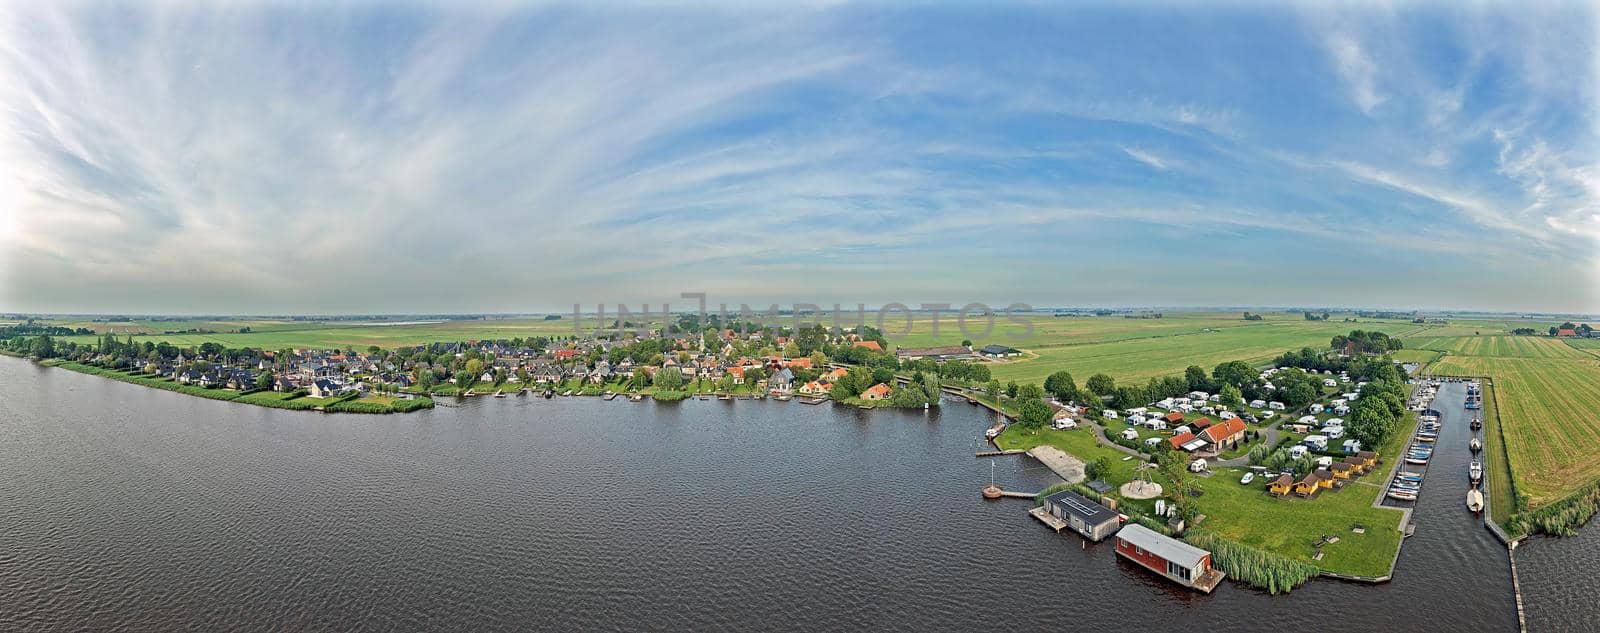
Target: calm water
123	507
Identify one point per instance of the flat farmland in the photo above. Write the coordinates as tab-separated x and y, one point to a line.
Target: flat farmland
1550	413
1503	346
330	334
1137	349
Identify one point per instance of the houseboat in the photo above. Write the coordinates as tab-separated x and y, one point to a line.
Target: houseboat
1170	558
1094	521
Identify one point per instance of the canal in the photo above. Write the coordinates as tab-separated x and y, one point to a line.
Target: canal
135	509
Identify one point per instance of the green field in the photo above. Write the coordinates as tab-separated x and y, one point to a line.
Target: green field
1138	349
1502	346
1550	409
274	335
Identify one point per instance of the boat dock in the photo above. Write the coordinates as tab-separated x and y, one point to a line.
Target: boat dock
1013	451
1056	523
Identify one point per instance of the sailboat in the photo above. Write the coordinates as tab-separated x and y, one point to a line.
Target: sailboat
1476	445
1475	470
1474	500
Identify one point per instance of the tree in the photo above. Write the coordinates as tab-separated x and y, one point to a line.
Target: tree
44	346
994	389
1100	467
1101	385
1033	414
931	389
1196	377
1061	385
264	380
1232	397
668	379
1030	391
1237	373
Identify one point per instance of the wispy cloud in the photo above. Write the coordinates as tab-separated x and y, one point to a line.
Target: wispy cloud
1357	70
511	157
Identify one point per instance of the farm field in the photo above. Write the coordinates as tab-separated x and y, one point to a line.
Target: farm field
332	334
1502	346
1550	410
1135	351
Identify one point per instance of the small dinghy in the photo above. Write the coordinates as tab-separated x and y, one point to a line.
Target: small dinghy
1402	495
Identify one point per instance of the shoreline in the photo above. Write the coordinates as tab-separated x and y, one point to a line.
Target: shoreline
354	404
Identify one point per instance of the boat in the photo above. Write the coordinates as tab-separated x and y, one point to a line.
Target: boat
1402	495
609	396
995	431
1474	500
1475	470
723	396
636	397
1414	459
1408	475
499	394
1247	478
1477	423
1476	445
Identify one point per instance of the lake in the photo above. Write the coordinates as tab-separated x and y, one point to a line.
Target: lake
131	508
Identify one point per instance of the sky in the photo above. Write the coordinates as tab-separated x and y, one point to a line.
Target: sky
274	158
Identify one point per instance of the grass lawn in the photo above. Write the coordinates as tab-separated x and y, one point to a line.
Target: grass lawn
1290	526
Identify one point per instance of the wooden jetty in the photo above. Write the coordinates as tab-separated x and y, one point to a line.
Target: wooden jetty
1013	451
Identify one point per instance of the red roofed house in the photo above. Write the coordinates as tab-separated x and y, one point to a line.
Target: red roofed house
1175	417
1225	435
1202	423
801	363
1180	439
879	391
1566	332
737	372
815	388
564	354
835	375
872	345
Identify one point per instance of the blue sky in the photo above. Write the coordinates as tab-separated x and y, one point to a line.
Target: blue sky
275	158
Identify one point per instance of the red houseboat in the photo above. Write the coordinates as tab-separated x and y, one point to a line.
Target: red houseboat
1173	559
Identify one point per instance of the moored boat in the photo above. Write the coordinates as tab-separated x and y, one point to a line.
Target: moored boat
1475	470
1402	495
1474	500
1476	445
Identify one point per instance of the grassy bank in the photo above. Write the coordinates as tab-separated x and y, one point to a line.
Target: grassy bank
370	403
